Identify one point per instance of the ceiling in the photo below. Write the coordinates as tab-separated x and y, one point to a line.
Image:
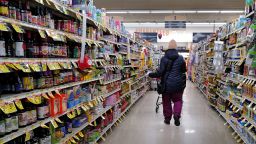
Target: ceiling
173	5
169	4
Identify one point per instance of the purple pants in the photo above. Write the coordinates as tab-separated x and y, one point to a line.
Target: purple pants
176	98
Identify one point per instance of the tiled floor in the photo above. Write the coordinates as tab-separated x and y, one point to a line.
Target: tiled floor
200	124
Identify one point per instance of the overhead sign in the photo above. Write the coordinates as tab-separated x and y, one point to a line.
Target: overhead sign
175	24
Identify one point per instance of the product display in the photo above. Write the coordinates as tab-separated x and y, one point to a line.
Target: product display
225	73
48	94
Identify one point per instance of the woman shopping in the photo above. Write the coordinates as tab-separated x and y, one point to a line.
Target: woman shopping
172	72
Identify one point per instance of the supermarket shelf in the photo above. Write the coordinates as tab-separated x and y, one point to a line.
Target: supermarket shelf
112	42
29	60
77	130
37	27
127	66
123	53
251	121
202	92
220	95
137	51
111	81
104	131
11	97
220	81
138	79
125	94
235	104
67	8
111	66
235	31
22	131
29	128
142	85
126	80
250	14
233	126
110	93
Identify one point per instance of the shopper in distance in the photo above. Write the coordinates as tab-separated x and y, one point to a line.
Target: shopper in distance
172	72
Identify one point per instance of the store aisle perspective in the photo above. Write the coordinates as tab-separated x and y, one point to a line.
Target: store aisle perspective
200	123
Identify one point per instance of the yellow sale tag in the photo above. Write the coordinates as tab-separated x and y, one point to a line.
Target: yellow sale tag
58	120
72	140
50	94
90	104
250	127
57	92
44	126
4	69
79	16
40	1
74	64
84	108
42	33
3	27
17	28
19	104
51	66
11	66
103	138
76	137
55	125
65	11
57	66
70	116
44	66
48	2
27	137
81	134
45	96
111	110
78	111
35	99
9	108
95	123
35	67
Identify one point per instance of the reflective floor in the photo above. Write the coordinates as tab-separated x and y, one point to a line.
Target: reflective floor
200	124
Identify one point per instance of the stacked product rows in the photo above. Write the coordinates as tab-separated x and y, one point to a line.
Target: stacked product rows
226	74
49	93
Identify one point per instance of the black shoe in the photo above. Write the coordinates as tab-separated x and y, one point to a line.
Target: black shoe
167	122
177	121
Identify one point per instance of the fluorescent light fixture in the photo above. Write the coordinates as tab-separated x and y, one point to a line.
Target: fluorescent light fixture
201	11
171	11
183	12
116	12
232	11
139	11
161	11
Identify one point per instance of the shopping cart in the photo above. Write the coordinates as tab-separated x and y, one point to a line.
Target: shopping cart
154	84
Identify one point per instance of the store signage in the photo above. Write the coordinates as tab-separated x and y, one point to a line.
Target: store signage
175	24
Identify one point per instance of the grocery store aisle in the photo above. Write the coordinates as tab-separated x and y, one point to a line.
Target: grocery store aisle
200	124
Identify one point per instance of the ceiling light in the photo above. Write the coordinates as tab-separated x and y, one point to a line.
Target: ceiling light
139	11
232	11
117	12
161	11
182	12
208	11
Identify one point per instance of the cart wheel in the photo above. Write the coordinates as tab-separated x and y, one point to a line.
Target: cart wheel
157	109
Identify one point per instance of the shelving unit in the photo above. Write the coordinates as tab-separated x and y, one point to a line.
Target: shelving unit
84	90
234	86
